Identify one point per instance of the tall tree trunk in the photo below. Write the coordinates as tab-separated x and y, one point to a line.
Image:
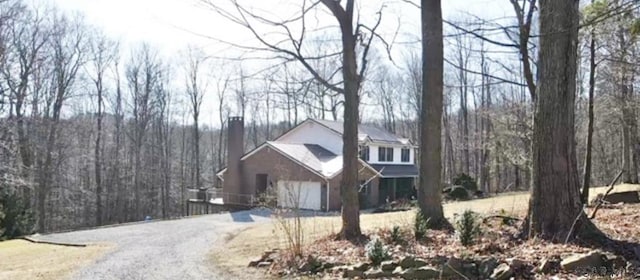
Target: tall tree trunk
119	116
633	134
430	190
586	180
348	186
626	146
196	151
183	191
628	118
463	118
485	127
555	192
450	164
98	158
46	166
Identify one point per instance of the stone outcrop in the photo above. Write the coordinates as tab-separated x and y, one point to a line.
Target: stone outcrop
591	260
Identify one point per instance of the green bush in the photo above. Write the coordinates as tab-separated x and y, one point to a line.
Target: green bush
15	218
396	236
420	226
458	193
468	227
376	251
466	181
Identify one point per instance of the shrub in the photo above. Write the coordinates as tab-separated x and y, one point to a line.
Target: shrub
420	226
458	193
376	251
15	218
289	221
468	227
466	181
506	220
396	236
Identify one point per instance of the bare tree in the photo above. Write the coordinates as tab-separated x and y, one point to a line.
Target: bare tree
430	189
555	192
586	180
68	48
524	15
196	88
223	113
28	36
352	34
462	59
103	53
142	77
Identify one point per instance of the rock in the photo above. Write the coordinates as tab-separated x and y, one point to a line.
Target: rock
377	273
397	271
515	263
453	267
361	266
624	197
502	272
388	265
311	264
352	273
264	264
547	266
486	266
424	272
412	262
591	260
469	268
633	267
615	263
339	268
267	254
330	265
255	262
304	267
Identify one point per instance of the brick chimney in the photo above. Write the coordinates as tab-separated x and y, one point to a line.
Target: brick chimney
235	149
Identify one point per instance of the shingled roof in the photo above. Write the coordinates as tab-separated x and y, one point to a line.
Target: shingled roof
374	133
313	156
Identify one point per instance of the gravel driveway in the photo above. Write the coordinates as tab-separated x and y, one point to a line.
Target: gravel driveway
175	249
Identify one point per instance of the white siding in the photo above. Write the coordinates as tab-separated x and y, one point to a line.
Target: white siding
313	133
373	154
301	195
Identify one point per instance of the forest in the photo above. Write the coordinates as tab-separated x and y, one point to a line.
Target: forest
93	132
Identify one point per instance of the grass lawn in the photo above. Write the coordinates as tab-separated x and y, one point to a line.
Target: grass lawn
21	259
251	242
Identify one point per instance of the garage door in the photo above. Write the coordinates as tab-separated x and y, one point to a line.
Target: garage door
298	194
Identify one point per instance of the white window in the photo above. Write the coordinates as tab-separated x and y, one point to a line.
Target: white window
385	154
404	155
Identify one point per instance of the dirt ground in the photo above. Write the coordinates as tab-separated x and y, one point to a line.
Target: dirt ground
21	259
241	247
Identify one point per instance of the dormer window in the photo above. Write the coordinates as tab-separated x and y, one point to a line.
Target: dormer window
364	153
385	154
404	155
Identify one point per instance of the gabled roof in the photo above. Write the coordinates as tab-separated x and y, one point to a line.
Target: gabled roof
313	157
365	131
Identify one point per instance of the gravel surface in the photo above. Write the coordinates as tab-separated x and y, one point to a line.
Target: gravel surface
176	249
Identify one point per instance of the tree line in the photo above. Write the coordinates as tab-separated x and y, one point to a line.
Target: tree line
94	133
